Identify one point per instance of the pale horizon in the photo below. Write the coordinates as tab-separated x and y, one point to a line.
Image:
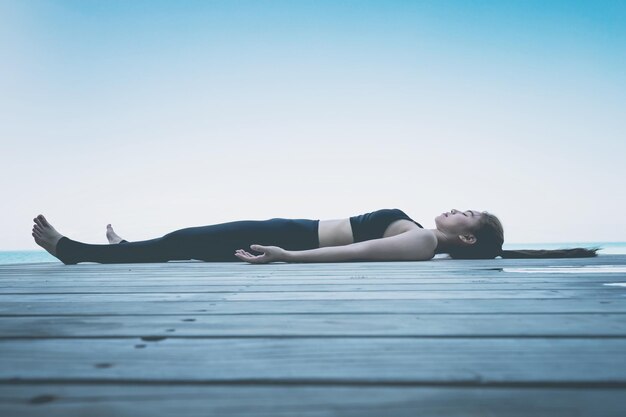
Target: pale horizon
155	116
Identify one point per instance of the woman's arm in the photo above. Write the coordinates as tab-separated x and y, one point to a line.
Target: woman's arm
415	245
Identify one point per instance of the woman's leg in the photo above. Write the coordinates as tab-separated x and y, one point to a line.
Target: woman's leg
213	243
154	250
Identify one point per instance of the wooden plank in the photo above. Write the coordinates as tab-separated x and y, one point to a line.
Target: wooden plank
107	273
325	325
305	400
186	284
438	262
37	276
174	276
604	292
312	271
440	265
325	267
114	307
469	361
250	287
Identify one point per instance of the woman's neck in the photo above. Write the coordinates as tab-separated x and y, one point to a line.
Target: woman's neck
444	242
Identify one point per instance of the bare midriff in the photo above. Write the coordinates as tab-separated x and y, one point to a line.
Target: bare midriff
338	232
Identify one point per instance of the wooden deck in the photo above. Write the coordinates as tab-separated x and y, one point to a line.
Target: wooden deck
445	338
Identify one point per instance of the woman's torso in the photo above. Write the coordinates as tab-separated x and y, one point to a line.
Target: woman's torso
338	232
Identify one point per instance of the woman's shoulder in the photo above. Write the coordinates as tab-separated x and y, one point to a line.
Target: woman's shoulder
424	241
430	241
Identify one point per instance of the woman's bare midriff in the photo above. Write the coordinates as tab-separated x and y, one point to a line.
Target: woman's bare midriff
339	232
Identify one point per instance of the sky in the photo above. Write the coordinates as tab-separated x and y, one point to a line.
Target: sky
159	115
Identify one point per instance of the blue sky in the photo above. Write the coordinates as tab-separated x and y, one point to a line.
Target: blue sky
158	115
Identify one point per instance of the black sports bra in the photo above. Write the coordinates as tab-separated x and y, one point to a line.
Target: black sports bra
373	225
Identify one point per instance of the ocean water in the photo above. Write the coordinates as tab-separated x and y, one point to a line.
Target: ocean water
608	248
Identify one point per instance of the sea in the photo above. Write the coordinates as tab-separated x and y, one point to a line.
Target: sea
607	248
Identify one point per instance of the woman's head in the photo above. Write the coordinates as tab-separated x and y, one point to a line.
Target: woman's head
479	235
476	234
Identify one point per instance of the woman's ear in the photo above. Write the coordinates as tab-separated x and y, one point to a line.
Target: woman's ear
469	239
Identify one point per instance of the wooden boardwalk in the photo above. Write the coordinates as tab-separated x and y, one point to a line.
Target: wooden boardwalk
441	338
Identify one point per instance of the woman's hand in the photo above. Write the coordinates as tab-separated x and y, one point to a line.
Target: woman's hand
270	254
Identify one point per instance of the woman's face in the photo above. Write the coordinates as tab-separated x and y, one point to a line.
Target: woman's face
457	222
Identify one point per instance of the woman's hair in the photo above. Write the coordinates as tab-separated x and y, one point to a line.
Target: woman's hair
490	237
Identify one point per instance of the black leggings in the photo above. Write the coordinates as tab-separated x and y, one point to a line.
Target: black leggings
213	243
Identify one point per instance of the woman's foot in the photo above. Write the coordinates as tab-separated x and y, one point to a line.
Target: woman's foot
45	235
112	236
